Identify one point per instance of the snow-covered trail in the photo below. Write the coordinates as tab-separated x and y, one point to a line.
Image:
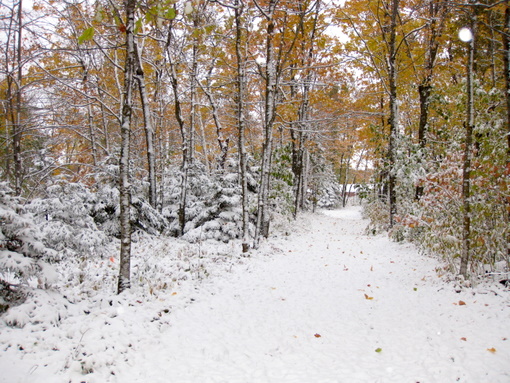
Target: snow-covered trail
330	305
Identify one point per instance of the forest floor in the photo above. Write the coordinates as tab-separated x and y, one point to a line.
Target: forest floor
323	303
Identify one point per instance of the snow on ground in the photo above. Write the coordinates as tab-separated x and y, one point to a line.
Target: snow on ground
325	303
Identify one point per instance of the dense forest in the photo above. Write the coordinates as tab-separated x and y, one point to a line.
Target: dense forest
205	119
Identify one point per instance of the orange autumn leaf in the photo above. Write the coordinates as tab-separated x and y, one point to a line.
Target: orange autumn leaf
317	335
462	303
464	339
367	297
493	350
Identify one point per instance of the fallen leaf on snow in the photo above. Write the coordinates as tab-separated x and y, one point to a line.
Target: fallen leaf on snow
371	268
462	303
493	350
367	297
317	335
464	339
378	349
174	293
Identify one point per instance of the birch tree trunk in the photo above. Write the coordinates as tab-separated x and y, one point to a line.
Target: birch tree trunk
240	110
124	281
14	96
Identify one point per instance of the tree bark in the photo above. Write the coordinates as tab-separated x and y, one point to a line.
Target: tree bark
184	134
14	101
148	127
262	226
394	117
240	110
437	11
466	163
222	141
506	61
124	281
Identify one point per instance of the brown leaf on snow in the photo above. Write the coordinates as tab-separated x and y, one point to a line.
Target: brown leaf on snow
464	339
493	350
462	303
367	297
317	335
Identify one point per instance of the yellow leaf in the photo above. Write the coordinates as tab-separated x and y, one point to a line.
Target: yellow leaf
367	297
493	350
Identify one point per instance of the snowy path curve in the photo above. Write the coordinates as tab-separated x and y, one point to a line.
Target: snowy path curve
331	305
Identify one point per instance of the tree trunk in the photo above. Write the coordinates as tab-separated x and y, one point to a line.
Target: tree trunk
240	106
262	226
124	281
14	100
466	163
184	134
394	117
222	141
346	180
437	16
149	129
506	60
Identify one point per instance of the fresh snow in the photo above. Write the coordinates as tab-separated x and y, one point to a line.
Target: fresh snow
323	303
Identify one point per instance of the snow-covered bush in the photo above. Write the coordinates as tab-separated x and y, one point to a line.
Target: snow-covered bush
106	208
24	259
213	204
65	218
